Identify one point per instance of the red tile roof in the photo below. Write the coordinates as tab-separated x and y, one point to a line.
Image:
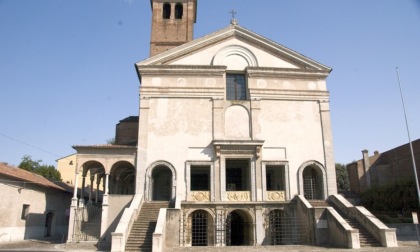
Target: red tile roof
18	174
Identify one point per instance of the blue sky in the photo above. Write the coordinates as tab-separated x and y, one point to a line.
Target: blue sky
67	67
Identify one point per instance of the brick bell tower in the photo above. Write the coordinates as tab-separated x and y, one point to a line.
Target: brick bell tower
172	24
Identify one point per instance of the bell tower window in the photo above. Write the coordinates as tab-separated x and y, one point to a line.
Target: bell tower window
166	14
179	11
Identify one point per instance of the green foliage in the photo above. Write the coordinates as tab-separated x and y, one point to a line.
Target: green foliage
343	183
110	140
47	171
398	197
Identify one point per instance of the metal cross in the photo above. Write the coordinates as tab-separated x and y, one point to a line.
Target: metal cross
233	12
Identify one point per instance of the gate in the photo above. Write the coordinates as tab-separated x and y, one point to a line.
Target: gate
287	230
87	223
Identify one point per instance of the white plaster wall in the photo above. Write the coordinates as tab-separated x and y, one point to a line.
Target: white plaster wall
13	228
287	84
176	125
295	126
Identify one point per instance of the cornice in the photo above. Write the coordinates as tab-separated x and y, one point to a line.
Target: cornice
181	92
282	94
184	70
286	73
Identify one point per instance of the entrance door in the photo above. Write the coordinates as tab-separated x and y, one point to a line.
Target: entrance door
238	230
162	184
48	224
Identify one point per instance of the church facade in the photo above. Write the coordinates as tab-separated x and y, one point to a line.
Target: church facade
231	125
234	132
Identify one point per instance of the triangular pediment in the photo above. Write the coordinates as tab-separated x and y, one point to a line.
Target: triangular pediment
236	48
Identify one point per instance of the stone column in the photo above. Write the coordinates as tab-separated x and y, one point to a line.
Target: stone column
73	207
259	226
105	205
92	178
98	181
82	193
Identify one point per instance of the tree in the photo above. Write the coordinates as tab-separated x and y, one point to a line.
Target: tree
343	183
47	171
111	140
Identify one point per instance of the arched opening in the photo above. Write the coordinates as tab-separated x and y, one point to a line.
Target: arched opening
162	183
199	227
312	183
166	13
48	224
239	229
179	11
122	179
92	182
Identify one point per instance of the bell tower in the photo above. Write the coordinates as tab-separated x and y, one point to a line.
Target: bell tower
172	24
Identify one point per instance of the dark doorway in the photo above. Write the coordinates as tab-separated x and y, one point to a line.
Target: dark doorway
238	230
48	223
162	184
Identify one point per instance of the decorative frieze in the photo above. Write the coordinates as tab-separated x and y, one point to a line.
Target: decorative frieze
238	196
199	196
275	196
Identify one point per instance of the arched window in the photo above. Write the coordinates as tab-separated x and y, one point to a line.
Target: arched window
179	11
166	14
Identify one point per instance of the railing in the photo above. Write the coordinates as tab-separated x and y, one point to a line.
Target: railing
120	236
387	236
159	234
340	232
87	223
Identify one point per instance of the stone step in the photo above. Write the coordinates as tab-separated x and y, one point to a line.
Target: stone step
319	203
141	233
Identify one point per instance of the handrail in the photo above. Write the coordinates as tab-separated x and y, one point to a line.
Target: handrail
120	236
160	230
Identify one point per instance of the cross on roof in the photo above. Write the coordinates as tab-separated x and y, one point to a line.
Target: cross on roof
233	21
233	12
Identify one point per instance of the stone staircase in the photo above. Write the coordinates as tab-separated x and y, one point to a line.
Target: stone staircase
365	237
141	233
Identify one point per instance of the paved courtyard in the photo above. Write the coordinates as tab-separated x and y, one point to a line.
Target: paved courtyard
406	244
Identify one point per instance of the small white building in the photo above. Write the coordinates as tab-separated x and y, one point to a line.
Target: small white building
31	206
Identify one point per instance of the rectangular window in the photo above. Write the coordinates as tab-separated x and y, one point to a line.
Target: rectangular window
274	177
25	212
235	87
237	175
200	178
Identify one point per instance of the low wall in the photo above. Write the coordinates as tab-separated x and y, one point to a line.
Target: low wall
120	236
404	229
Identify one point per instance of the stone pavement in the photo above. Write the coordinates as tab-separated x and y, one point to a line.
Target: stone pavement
406	244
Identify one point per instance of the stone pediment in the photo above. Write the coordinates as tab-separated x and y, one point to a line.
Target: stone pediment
236	48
